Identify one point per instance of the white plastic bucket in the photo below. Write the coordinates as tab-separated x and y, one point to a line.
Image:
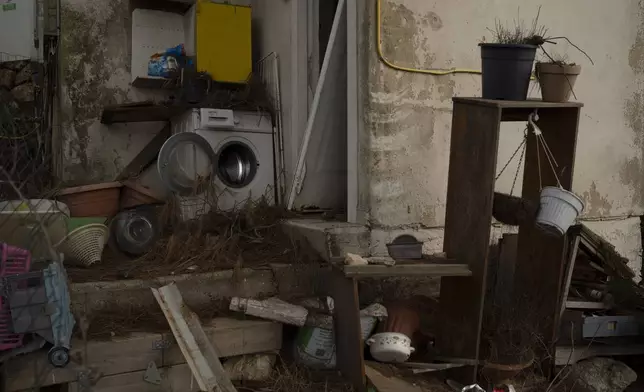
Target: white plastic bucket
559	209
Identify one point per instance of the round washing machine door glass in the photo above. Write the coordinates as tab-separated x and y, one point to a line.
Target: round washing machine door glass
236	164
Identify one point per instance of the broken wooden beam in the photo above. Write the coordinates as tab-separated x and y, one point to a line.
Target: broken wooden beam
402	270
146	156
133	353
200	354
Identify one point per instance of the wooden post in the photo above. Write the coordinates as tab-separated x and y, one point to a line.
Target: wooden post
470	194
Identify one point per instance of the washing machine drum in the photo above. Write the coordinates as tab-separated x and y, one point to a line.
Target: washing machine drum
236	164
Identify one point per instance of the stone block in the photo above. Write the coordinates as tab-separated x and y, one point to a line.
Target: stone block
24	92
7	78
23	76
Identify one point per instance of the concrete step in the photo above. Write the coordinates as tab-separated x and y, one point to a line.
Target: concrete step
331	240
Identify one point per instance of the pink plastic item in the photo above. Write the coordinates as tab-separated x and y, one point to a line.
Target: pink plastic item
14	261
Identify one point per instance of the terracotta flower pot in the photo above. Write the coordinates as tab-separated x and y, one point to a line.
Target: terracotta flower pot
402	317
97	200
498	373
557	80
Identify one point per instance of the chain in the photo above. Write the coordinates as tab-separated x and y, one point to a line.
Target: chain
512	157
516	174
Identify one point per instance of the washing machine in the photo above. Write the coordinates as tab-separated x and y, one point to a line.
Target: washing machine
234	152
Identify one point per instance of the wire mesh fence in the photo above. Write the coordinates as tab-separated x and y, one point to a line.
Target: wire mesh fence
34	299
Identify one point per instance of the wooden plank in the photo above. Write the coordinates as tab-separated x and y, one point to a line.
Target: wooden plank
139	113
565	355
173	378
504	287
155	83
133	353
389	384
540	257
472	165
195	345
346	318
586	305
89	188
146	156
568	277
401	270
527	104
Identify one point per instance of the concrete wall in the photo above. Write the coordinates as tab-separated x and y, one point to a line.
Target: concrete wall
404	139
95	72
272	29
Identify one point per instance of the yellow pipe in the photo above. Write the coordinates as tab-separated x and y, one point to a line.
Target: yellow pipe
437	72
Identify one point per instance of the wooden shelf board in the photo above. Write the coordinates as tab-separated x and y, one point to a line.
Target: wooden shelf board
155	83
569	355
409	270
527	104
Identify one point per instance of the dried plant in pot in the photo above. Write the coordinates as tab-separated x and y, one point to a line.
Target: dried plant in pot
507	62
557	79
557	75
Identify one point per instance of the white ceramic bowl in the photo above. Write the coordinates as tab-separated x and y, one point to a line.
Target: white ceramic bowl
390	347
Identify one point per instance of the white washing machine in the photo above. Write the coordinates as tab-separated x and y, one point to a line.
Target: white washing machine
242	151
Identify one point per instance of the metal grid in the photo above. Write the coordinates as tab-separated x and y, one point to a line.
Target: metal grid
30	224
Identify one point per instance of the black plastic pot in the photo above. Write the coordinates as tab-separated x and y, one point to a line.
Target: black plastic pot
506	70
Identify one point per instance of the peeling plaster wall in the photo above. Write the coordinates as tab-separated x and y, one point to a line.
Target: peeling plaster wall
95	72
404	139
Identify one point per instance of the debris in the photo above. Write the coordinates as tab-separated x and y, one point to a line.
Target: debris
473	388
599	375
152	374
15	65
353	259
271	309
389	384
39	303
315	346
388	261
250	367
23	76
24	92
418	367
320	304
195	345
7	78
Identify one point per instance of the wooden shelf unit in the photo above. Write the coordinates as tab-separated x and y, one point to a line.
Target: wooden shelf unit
538	275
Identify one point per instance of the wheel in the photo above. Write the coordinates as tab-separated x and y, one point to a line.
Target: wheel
59	356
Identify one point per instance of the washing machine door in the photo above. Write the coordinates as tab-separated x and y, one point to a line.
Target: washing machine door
236	164
185	163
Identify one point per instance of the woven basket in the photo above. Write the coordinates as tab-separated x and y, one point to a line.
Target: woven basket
85	244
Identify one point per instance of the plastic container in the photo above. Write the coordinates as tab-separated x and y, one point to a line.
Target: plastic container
315	347
506	70
85	244
14	261
23	224
559	210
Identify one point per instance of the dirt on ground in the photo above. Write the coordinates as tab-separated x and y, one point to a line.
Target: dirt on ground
249	237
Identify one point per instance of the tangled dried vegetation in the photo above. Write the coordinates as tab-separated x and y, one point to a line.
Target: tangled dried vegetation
250	236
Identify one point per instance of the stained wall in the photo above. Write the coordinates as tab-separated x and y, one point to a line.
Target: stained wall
405	130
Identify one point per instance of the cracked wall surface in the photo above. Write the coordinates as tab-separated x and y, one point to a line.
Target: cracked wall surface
405	132
95	72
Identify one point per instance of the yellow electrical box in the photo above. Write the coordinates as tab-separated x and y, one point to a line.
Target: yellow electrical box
223	41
